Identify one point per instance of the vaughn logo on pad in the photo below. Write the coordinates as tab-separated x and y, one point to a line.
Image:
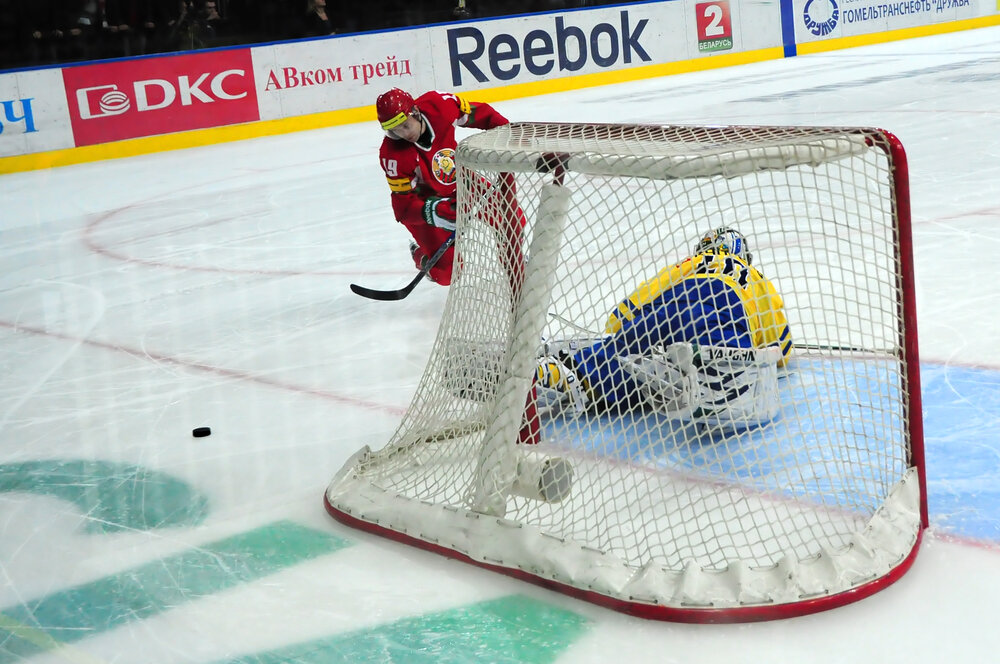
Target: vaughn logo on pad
128	99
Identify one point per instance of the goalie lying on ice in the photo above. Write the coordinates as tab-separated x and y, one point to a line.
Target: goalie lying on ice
702	340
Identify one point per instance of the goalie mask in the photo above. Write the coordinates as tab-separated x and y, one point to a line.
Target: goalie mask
725	239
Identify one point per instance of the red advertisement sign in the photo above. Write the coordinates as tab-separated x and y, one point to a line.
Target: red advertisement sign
117	100
715	29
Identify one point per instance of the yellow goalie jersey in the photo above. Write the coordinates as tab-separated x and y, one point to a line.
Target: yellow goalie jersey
762	304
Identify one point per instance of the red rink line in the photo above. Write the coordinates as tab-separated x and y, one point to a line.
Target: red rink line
983	212
975	542
93	245
961	364
206	368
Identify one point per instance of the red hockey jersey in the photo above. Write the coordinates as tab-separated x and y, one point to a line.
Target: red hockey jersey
416	171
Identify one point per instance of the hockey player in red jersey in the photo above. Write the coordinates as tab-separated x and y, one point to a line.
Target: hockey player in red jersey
418	157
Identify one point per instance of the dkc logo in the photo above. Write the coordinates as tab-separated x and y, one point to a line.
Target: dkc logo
567	47
154	94
133	98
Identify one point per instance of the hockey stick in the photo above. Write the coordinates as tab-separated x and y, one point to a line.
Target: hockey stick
579	328
850	349
389	295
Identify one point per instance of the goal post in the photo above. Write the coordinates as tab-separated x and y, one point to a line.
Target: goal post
637	503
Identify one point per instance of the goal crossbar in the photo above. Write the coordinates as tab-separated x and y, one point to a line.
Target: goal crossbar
603	150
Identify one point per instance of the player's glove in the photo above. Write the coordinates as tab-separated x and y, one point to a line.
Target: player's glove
440	212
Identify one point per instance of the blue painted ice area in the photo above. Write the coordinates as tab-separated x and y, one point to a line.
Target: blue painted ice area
850	409
961	407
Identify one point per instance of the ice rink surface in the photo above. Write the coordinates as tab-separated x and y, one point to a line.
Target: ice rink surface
141	298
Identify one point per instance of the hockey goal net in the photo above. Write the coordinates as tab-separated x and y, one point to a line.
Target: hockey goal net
636	508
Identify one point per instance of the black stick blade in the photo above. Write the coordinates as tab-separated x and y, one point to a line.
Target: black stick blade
386	295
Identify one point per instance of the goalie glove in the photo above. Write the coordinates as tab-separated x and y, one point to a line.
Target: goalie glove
440	212
667	379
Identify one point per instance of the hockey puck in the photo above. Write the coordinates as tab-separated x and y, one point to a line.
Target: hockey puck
201	432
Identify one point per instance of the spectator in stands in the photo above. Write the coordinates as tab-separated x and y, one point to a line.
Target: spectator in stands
210	19
77	31
35	25
146	19
41	32
116	28
196	25
170	13
10	33
315	22
276	19
44	21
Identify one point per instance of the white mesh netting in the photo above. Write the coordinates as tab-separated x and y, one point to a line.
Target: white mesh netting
633	502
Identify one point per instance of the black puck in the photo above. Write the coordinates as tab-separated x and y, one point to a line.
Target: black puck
201	432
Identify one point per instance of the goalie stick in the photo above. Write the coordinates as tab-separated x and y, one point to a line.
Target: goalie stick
399	294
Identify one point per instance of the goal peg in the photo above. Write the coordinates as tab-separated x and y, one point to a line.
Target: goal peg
541	477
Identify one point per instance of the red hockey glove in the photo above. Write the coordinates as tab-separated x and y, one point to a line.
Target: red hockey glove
440	212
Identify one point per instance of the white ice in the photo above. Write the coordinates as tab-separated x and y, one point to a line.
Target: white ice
142	297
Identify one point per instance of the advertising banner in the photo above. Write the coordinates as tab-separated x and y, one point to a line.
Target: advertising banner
348	72
544	46
715	27
124	99
33	113
816	20
314	76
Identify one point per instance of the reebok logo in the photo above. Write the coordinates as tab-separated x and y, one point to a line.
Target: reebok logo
563	47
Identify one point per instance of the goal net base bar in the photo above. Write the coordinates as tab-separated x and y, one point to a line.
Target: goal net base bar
722	596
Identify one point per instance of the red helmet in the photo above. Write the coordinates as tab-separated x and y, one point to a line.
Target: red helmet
393	107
